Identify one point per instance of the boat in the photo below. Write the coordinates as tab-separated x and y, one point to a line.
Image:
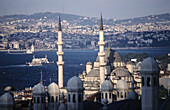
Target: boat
39	61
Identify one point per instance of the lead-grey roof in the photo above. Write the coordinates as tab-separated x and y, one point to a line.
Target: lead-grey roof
107	85
94	73
121	72
109	56
149	66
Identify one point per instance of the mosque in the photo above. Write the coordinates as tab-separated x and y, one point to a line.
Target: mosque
108	84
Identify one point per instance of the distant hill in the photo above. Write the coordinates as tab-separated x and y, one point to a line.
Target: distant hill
79	20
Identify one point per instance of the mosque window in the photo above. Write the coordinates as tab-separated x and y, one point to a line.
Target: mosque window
34	100
105	95
102	95
79	97
142	81
125	94
42	99
74	98
68	97
148	81
38	100
52	99
48	98
117	94
56	98
110	95
121	95
154	81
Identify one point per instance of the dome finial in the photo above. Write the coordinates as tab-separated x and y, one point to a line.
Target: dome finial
41	80
109	45
59	24
101	22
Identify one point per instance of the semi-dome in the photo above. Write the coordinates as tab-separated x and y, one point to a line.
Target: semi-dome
6	99
132	95
38	89
53	88
94	73
121	72
149	66
107	85
89	63
121	84
75	83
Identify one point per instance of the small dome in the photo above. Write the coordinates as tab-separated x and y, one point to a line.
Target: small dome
6	99
94	73
149	66
107	86
75	83
130	63
121	84
53	89
89	63
132	95
39	88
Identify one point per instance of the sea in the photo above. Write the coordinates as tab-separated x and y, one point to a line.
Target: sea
14	71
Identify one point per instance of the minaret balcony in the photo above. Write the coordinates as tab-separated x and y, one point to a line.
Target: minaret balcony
102	64
60	53
59	43
101	43
60	63
101	54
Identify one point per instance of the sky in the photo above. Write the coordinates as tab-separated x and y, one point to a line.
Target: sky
115	9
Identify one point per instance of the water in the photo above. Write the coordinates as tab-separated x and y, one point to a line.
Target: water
14	72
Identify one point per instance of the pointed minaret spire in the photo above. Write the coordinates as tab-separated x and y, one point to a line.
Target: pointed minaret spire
59	24
101	22
60	53
41	80
101	53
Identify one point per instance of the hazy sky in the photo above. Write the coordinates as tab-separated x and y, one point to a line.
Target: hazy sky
118	9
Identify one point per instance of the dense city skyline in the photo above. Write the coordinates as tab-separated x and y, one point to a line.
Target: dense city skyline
118	9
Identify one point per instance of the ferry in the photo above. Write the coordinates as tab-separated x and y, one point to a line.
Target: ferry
39	61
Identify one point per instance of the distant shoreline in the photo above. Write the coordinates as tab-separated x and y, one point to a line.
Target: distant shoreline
86	49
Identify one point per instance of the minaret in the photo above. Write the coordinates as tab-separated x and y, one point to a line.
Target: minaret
41	80
60	53
101	53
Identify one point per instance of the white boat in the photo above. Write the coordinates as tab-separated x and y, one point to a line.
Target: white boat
39	61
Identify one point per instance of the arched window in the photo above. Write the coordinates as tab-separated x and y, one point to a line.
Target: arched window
52	99
125	94
102	95
42	99
68	97
121	95
148	81
79	98
38	100
56	99
48	98
154	81
74	98
110	95
117	94
34	99
143	81
105	95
